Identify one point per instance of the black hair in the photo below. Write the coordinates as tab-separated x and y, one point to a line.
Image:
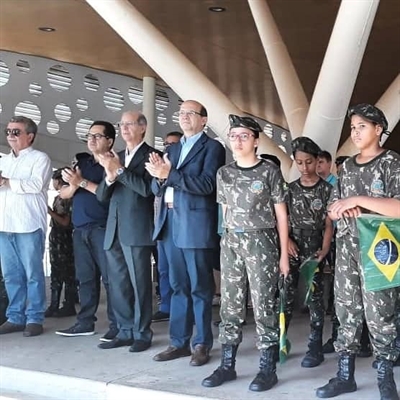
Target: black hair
326	155
109	129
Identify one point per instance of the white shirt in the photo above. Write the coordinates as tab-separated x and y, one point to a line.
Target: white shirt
23	204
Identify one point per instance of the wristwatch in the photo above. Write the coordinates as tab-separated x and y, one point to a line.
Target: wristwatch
83	184
120	171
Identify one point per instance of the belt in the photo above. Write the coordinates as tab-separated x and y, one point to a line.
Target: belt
170	205
245	230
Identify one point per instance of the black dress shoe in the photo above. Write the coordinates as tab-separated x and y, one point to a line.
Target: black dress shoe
139	345
115	343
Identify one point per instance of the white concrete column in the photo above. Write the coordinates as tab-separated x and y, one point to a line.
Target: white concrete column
339	73
175	68
149	108
389	103
291	94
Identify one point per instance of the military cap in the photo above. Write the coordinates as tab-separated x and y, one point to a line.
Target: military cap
369	112
245	122
306	145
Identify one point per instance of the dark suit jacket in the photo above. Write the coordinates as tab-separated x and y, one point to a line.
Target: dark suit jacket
131	209
195	215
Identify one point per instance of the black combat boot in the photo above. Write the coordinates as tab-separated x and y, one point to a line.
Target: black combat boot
266	378
55	299
226	371
344	381
328	347
68	308
386	383
314	355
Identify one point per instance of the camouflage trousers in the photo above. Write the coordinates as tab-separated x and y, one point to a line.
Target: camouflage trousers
253	255
61	256
353	303
308	244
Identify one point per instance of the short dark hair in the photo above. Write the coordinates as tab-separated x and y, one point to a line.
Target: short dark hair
57	175
203	111
30	125
272	158
326	155
174	133
109	129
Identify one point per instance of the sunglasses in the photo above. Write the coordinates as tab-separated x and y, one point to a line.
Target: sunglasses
14	132
244	122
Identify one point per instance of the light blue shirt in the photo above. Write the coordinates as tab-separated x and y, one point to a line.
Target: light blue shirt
187	144
331	179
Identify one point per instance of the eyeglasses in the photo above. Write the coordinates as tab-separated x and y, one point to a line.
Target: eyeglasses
127	124
242	136
95	136
14	132
190	113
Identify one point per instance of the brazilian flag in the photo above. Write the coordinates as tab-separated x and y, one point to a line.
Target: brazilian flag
307	270
380	251
284	344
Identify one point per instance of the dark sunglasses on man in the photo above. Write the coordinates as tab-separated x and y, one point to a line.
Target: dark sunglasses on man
12	132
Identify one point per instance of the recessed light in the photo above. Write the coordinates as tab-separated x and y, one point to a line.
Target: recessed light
217	9
46	29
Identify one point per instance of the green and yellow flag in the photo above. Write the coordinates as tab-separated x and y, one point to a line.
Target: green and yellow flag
380	251
307	270
284	344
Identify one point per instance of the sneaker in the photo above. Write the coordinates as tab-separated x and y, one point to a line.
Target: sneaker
160	316
109	336
77	330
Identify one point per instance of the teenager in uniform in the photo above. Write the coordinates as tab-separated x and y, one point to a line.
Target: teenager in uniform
310	234
61	253
369	182
251	192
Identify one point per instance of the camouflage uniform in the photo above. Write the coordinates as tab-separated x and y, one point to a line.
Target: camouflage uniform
249	248
307	213
377	178
61	253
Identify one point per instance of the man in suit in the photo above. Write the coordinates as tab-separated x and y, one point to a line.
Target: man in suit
128	241
186	226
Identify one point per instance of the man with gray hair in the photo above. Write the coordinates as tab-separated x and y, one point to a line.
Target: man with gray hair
24	182
128	240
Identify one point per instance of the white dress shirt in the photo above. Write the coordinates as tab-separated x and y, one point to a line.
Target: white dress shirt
23	204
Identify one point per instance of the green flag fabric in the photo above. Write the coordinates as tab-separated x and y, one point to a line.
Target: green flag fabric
284	344
379	251
307	270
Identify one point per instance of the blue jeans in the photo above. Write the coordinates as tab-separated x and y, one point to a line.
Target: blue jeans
21	257
90	265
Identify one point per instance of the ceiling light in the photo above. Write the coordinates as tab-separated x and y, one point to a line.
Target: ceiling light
217	9
46	29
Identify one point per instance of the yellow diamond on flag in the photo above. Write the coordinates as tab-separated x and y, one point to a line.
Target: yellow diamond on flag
385	252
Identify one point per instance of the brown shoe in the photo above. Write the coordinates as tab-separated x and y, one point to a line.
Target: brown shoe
9	327
33	330
200	356
172	353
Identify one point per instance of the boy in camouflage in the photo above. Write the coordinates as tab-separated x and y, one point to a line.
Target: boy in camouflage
252	195
61	254
311	233
368	182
